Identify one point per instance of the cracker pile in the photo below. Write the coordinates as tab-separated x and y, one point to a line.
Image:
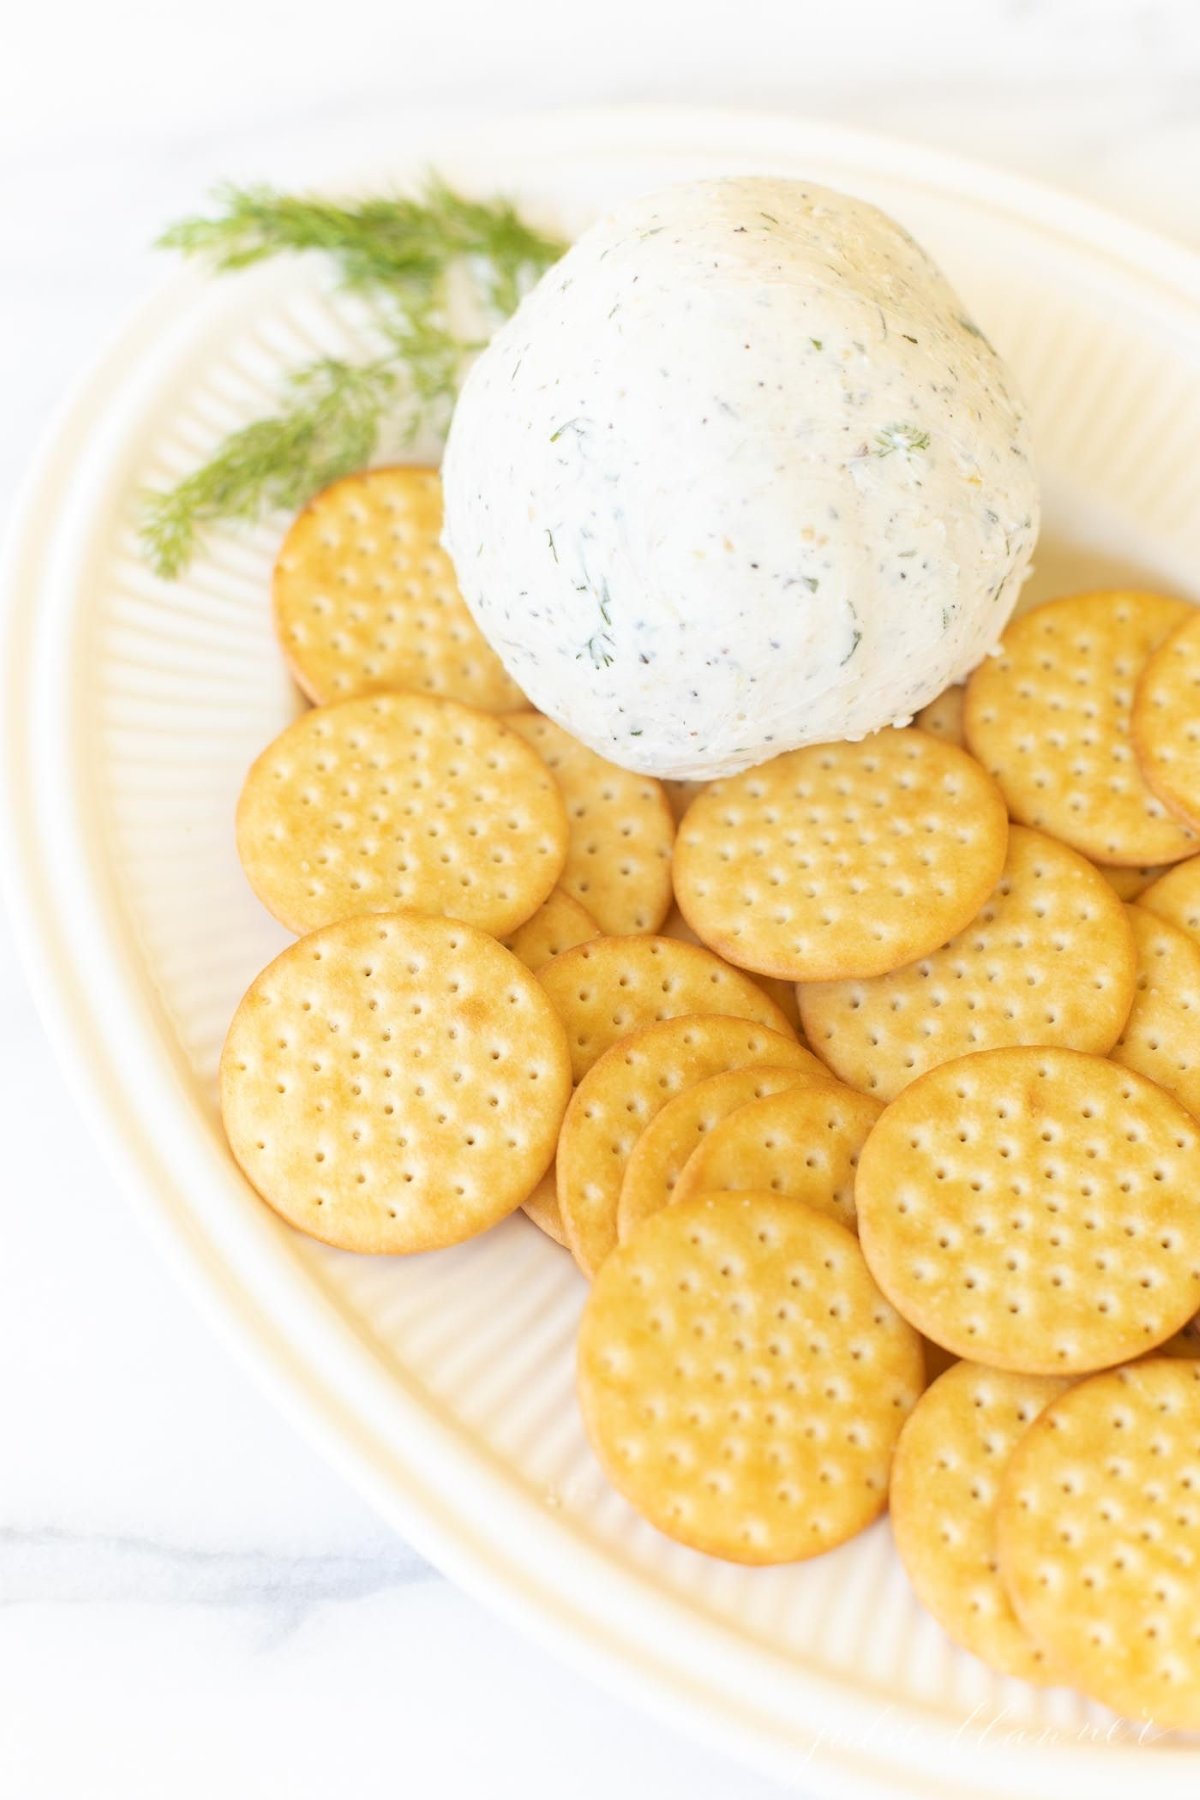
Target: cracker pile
516	985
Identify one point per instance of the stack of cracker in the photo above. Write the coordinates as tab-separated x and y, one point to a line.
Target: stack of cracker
872	1068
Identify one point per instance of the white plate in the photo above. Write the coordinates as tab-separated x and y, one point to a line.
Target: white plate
442	1385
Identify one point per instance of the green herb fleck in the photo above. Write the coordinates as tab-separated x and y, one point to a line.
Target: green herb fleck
599	647
906	438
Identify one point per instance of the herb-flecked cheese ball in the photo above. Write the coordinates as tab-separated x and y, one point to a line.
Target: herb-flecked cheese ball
739	475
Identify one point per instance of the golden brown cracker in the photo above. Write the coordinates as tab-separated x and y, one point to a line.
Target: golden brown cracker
366	602
1048	959
804	1144
1186	1341
945	1488
606	989
1050	717
943	716
680	794
783	993
394	1083
558	924
742	1379
842	859
937	1360
624	1090
1098	1529
1035	1209
1166	722
1175	896
1131	882
622	831
399	801
658	1157
1161	1038
542	1207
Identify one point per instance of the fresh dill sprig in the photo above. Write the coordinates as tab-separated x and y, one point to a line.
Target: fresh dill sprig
386	243
413	257
328	426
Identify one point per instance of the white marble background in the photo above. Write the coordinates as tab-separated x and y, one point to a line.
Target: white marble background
190	1603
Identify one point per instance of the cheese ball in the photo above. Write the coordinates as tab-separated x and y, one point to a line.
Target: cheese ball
739	475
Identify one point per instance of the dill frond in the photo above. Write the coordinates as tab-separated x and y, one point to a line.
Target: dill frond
328	426
406	253
375	242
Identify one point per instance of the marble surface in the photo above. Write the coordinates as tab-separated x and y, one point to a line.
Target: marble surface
190	1601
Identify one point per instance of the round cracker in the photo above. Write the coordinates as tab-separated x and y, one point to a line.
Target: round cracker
841	859
943	716
365	599
944	1492
681	793
937	1360
1166	722
1035	1209
394	1083
783	993
542	1207
622	830
622	1093
606	989
658	1157
559	923
1049	715
1186	1341
1161	1038
1049	959
803	1144
1098	1530
742	1379
1130	883
399	801
1175	897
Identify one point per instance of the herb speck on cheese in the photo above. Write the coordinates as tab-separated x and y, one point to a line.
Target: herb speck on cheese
900	437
